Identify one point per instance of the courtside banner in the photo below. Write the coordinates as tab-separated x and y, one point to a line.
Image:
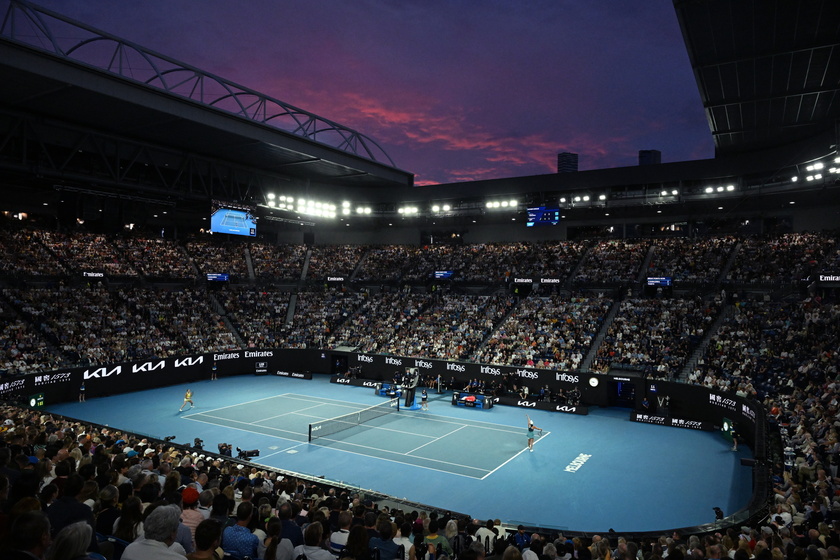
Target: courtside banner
379	367
542	405
341	380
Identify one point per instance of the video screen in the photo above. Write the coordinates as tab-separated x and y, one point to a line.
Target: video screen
232	219
543	216
218	277
441	274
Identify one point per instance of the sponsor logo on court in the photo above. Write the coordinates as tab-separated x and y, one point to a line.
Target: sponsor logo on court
491	370
423	364
691	424
259	354
722	402
291	374
566	377
343	380
455	367
748	412
577	463
11	386
393	361
148	366
51	379
527	374
363	358
530	404
190	361
101	372
230	356
564	408
651	419
369	384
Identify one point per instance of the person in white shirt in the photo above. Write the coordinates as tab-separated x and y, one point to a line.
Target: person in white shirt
338	539
485	535
158	541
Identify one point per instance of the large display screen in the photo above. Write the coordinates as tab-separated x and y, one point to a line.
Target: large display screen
232	219
543	216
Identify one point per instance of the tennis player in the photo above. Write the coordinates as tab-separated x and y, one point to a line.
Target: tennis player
531	428
187	399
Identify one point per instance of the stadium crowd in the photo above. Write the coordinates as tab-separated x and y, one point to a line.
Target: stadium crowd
54	472
696	261
655	335
546	332
612	262
277	262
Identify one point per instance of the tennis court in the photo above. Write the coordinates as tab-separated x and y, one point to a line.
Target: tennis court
408	437
464	459
233	219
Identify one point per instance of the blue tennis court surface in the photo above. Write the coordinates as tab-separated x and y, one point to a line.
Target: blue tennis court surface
408	437
588	473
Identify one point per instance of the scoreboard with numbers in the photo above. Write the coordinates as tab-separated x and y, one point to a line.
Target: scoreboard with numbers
36	400
543	216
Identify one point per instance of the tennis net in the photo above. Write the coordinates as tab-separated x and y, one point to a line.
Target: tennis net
332	426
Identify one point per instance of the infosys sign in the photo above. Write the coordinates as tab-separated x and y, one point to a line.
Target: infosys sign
377	366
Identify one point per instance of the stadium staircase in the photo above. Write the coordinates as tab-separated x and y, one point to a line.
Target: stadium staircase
730	262
250	264
568	284
305	271
477	351
599	338
190	260
290	313
220	309
359	265
642	276
728	311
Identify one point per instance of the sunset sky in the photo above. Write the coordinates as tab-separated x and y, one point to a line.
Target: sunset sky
452	90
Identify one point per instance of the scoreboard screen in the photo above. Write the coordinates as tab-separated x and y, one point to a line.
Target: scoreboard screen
543	216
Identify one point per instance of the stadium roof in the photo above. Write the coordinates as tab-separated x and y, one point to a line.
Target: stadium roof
93	112
62	71
768	70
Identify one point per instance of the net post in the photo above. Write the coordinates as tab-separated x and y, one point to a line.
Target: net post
310	433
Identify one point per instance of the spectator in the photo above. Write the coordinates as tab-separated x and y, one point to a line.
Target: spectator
158	541
238	539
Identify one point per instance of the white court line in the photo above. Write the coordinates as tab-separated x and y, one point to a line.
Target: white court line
283	450
237	404
512	458
434	440
288	413
404	462
480	425
355	407
226	420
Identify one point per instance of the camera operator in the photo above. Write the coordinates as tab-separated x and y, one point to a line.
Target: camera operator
225	450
